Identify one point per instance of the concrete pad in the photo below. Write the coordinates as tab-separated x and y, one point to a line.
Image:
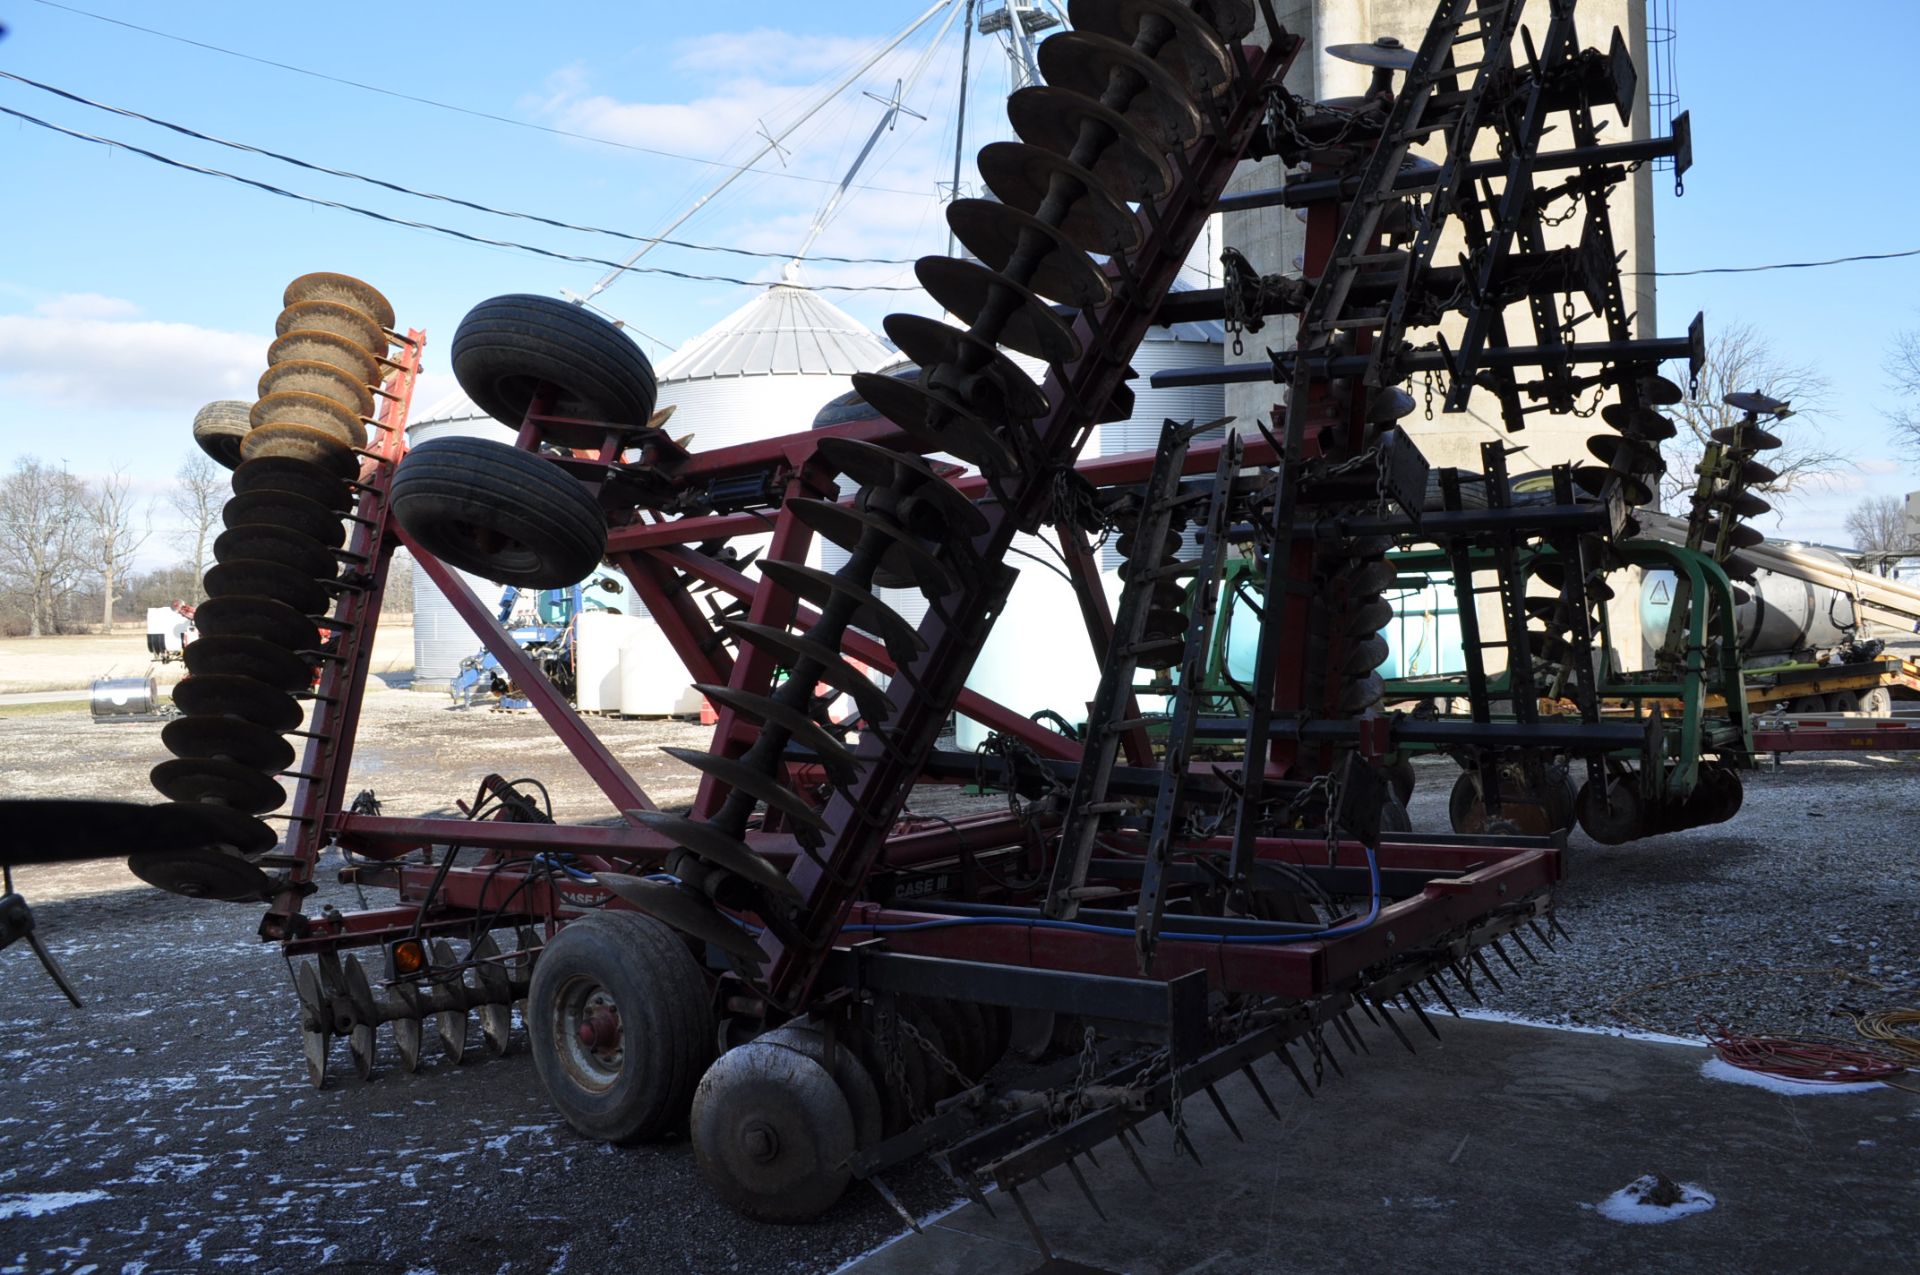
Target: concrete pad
1488	1151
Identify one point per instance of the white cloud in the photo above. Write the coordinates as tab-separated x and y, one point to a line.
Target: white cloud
771	52
85	351
87	305
1881	465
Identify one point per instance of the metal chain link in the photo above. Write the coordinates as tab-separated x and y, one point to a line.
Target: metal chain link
1077	1097
932	1051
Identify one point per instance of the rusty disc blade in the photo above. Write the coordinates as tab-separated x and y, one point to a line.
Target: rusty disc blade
1385	53
1638	422
1126	80
994	233
1024	177
310	376
741	777
832	669
906	560
233	738
270	580
309	345
296	478
243	615
904	475
301	442
315	411
968	289
1193	55
704	841
330	316
203	872
225	783
1660	392
1627	454
250	657
276	544
1060	119
226	695
870	613
1753	438
805	731
283	509
994	386
691	914
342	289
934	421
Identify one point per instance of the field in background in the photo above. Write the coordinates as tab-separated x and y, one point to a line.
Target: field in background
71	663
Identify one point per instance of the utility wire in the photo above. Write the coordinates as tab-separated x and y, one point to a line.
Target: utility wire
184	131
449	106
1780	265
429	226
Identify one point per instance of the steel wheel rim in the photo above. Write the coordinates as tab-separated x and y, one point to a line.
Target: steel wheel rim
594	1068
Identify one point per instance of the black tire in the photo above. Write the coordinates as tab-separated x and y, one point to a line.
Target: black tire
643	1090
508	346
500	512
219	427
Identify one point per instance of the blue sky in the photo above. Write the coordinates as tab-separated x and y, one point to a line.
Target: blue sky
132	293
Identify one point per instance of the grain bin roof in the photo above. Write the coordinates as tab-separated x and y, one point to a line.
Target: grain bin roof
786	330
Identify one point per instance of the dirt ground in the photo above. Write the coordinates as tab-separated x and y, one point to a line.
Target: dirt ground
72	663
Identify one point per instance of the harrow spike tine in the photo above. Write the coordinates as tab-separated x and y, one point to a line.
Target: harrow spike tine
1286	1056
894	1201
1440	990
1366	1009
1091	1158
1481	961
1344	1016
1553	923
1465	981
1080	1180
1139	1165
1540	934
1326	1052
1388	1017
1041	1178
1341	1030
1033	1227
1185	1143
1522	945
1420	1014
1253	1078
1505	960
1220	1106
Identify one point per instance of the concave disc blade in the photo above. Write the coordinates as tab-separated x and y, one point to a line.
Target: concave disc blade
282	440
284	509
874	466
205	872
227	783
277	544
738	775
296	477
215	694
1057	119
261	578
994	233
239	615
969	289
995	385
1194	55
706	842
832	669
688	913
1089	64
1024	177
872	614
935	421
846	527
805	731
249	657
233	738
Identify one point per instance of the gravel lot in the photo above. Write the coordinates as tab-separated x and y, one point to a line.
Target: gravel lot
169	1126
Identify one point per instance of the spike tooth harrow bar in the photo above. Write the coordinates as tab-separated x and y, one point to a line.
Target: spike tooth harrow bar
1214	896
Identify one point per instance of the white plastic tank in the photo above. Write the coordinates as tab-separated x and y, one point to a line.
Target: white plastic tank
441	639
599	643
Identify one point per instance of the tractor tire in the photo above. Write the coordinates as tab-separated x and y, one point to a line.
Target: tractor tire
218	428
499	512
507	347
637	1082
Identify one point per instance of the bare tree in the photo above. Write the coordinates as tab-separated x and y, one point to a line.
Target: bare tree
1880	529
199	490
1740	358
119	528
43	538
1903	367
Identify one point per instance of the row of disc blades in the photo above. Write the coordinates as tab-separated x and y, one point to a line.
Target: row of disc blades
1132	84
274	583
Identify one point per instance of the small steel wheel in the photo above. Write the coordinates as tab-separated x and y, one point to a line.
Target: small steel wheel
620	1019
849	1075
1620	819
772	1133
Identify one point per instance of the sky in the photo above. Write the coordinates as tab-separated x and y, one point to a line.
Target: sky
132	293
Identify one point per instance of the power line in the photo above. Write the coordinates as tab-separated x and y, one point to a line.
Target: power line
184	131
1781	265
429	226
449	106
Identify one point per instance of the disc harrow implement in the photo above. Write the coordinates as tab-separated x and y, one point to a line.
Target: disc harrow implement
1201	876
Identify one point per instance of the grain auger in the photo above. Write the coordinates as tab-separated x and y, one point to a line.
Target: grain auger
812	978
